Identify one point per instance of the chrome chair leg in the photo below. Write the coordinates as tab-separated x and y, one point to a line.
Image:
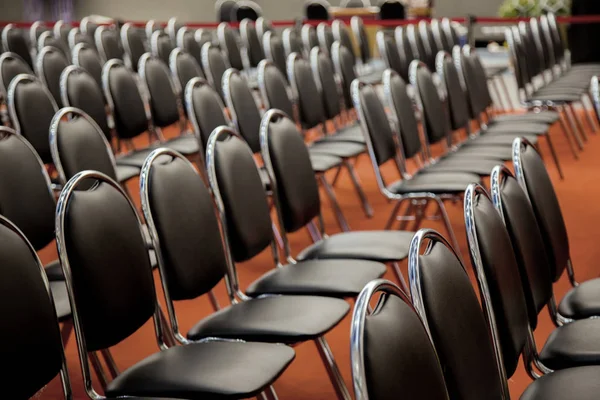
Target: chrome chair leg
100	374
110	363
342	222
313	231
554	156
571	274
567	134
590	113
579	122
393	215
359	190
277	235
400	276
406	216
333	371
65	331
573	127
271	393
214	302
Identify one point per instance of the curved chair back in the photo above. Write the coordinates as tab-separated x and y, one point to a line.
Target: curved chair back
438	35
203	36
30	317
80	90
389	52
311	110
317	10
205	109
124	100
108	44
13	40
214	65
76	37
183	69
86	57
131	37
275	89
78	144
404	49
11	65
426	34
88	27
172	29
61	31
418	47
151	27
533	177
35	31
164	102
344	68
224	9
47	39
392	9
30	206
292	43
595	95
390	348
251	42
229	43
325	37
309	37
161	46
342	35
274	52
360	34
31	108
263	26
355	4
187	42
326	80
239	193
458	105
51	62
475	79
242	107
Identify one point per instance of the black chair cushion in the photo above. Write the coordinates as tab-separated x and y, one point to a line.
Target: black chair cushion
339	149
323	162
518	128
129	112
437	183
334	278
573	345
350	133
581	383
484	151
185	144
582	301
126	172
135	158
274	319
214	370
545	117
500	139
479	167
382	246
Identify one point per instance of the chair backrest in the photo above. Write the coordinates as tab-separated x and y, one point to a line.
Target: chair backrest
458	104
13	40
214	65
404	50
187	42
87	57
163	97
327	82
151	27
514	207
557	40
35	31
342	35
80	90
418	46
317	10
88	27
475	80
76	37
344	67
311	110
392	9
438	35
439	283
203	36
77	144
398	101
360	34
224	9
389	52
325	37
263	26
431	49
51	62
161	46
292	43
540	44
450	33
275	89
181	219
205	109
251	42
239	194
131	37
494	261
242	107
31	108
108	44
31	326
172	29
533	177
290	170
183	67
548	40
274	52
309	37
26	196
61	31
435	115
47	39
390	349
229	43
124	100
11	65
247	10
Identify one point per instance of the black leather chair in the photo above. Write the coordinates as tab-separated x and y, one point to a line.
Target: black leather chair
244	211
88	27
151	27
251	43
360	35
309	37
184	68
36	30
50	63
108	43
292	41
86	57
228	41
582	301
172	29
214	64
344	68
568	346
13	40
31	108
415	40
113	295
467	341
439	37
404	50
388	50
48	39
187	42
131	38
325	37
391	351
317	10
274	51
76	37
161	46
341	34
11	65
382	147
31	326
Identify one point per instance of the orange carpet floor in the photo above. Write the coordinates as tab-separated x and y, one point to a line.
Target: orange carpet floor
306	378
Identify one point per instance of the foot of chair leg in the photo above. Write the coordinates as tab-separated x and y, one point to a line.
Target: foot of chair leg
393	215
97	366
359	190
342	222
110	363
332	369
214	302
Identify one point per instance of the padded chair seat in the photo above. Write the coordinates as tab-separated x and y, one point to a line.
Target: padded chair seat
135	158
500	139
581	383
61	299
126	172
339	149
555	97
332	278
275	319
573	345
185	144
517	128
382	246
324	162
481	167
482	150
544	117
211	370
582	301
437	183
351	133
